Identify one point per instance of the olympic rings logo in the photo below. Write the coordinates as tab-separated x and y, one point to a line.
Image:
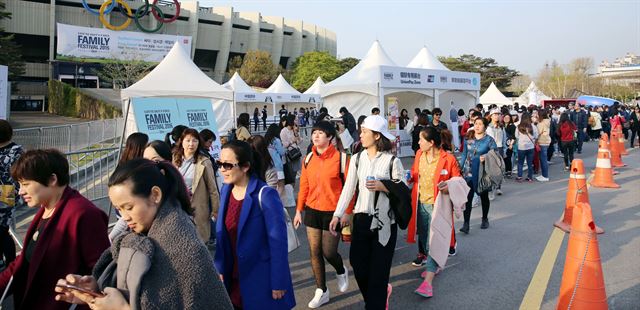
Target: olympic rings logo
144	10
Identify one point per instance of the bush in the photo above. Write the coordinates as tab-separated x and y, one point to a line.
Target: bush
66	100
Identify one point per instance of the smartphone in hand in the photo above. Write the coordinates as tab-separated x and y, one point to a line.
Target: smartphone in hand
80	289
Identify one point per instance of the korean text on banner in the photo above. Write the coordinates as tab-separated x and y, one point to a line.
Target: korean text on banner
99	44
156	116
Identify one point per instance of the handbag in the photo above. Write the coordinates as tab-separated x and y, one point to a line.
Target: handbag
293	153
292	238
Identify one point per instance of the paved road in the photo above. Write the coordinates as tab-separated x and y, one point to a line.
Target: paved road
40	119
494	267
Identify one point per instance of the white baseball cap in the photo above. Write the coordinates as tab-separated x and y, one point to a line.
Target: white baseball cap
495	111
379	124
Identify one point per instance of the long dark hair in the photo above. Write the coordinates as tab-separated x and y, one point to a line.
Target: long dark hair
162	148
178	150
245	155
564	117
145	174
383	144
525	124
439	138
272	132
244	120
134	147
259	146
175	134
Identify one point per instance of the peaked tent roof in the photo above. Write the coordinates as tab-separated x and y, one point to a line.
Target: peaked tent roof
280	86
192	82
364	77
493	96
426	60
316	87
525	98
237	84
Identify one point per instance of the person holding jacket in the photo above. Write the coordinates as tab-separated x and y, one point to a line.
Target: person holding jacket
67	235
478	144
432	167
251	252
496	131
321	184
197	170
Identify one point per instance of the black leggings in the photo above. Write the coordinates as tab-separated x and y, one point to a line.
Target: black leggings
508	164
323	245
568	148
8	247
634	133
484	198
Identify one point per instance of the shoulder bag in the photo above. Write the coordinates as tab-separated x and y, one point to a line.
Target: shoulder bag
292	238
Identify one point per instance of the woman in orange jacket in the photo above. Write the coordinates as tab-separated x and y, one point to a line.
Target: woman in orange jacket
321	183
432	166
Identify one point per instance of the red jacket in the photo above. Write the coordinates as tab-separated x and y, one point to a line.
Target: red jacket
73	240
566	131
446	162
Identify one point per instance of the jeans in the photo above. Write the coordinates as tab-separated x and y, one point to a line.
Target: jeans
424	225
568	147
550	151
580	137
432	266
528	155
544	164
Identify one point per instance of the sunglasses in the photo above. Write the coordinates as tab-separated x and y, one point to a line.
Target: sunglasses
227	166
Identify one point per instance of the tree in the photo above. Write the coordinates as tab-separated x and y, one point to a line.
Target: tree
123	74
488	68
519	84
257	69
348	63
11	54
308	67
234	64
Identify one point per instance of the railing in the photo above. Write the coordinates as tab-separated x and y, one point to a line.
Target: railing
72	137
89	171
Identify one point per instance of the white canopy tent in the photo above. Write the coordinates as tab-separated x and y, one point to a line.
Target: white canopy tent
281	92
494	96
161	82
532	96
315	90
245	98
448	99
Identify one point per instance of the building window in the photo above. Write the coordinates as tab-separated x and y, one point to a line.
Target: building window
241	27
266	30
284	61
205	58
288	33
210	22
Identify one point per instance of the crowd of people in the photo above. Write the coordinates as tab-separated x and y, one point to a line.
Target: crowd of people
177	201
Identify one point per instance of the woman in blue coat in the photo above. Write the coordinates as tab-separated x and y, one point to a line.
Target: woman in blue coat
251	252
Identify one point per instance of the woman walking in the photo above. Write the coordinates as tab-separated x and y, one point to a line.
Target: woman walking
374	232
510	133
496	131
267	170
197	171
544	140
67	235
567	132
428	175
256	119
478	144
251	252
160	263
526	134
321	183
277	153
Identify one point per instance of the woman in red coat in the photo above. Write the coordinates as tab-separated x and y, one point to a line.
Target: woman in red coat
68	233
432	166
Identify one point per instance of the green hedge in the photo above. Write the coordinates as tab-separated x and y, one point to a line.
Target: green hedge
66	100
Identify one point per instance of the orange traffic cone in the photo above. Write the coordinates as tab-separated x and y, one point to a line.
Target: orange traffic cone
603	175
577	192
616	157
604	146
582	285
621	148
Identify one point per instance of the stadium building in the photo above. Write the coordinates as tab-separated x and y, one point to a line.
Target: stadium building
218	34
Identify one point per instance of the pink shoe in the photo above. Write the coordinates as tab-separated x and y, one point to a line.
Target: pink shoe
389	290
425	290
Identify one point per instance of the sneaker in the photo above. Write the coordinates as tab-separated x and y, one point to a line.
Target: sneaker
519	179
465	228
319	299
492	195
420	261
499	192
566	168
529	180
542	179
389	290
485	224
425	290
343	281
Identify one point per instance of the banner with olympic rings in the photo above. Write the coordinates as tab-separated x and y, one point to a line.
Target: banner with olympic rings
104	45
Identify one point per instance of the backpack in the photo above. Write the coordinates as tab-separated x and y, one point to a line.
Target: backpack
343	163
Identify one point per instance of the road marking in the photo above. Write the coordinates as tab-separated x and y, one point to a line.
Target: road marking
534	296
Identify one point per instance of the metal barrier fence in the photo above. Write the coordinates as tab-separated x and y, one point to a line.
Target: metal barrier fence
89	171
72	137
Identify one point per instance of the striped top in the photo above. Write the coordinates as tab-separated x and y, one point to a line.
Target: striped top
378	167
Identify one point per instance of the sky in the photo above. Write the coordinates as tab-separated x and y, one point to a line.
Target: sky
523	35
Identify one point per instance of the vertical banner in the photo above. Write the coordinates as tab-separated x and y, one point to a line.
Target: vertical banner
394	124
156	116
197	114
4	91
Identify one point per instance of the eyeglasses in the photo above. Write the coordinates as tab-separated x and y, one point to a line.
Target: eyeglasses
227	166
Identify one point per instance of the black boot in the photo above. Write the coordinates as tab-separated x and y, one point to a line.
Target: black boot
485	224
465	228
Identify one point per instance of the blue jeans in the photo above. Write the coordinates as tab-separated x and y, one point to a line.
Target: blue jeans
528	154
424	225
544	164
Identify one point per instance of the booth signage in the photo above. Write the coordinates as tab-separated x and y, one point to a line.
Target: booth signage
99	44
157	116
400	77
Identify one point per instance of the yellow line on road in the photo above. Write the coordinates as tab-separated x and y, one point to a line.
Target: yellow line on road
538	286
